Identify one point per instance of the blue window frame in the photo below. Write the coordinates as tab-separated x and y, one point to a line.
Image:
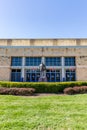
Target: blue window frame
16	61
69	61
32	61
53	61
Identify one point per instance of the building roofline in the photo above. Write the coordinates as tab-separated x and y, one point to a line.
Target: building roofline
43	38
43	47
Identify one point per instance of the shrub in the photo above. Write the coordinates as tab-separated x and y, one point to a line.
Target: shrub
4	90
43	87
75	90
69	91
17	91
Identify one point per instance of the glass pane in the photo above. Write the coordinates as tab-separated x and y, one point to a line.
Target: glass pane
53	61
32	61
16	61
69	61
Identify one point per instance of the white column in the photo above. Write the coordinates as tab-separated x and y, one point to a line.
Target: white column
23	64
63	70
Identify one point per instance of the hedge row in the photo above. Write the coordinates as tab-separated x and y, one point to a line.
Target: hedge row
42	87
75	90
17	91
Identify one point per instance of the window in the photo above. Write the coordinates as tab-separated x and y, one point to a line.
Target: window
70	75
69	61
33	61
32	75
53	61
53	75
16	61
16	75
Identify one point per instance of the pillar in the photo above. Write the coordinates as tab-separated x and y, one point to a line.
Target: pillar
22	73
63	70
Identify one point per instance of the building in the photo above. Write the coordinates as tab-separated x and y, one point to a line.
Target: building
65	59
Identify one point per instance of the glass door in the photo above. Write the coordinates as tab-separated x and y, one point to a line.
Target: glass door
57	75
28	77
48	75
32	75
37	77
53	76
16	75
70	75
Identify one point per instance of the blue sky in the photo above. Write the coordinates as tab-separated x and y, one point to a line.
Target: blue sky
43	18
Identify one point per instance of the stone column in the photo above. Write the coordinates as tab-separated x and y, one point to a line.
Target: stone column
63	70
22	71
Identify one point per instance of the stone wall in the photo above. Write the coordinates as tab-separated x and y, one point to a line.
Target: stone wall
81	68
43	42
81	74
5	73
46	51
5	63
81	61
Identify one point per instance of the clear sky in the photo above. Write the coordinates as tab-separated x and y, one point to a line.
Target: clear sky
43	18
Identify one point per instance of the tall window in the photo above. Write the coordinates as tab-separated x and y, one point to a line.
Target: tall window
53	61
69	61
16	61
32	61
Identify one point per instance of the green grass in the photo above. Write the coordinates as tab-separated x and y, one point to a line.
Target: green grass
39	113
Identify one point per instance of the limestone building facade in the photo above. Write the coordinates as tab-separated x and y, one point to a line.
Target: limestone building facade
65	59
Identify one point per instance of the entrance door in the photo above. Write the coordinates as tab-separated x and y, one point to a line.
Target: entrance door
37	76
48	75
28	77
70	75
57	75
53	75
16	75
32	75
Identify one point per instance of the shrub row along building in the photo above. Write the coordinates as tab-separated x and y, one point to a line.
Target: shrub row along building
65	59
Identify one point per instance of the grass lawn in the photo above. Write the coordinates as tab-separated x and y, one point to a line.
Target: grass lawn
41	113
